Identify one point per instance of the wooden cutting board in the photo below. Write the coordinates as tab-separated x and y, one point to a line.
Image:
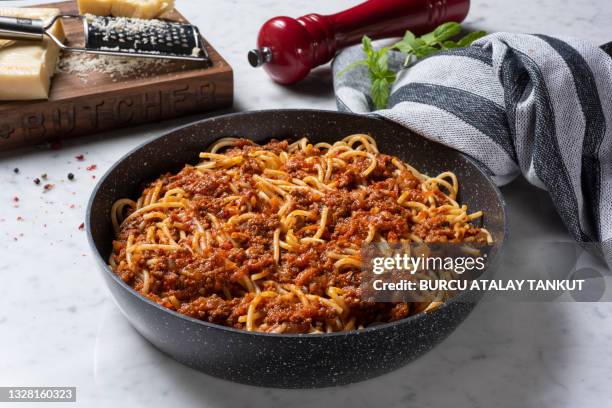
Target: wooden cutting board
89	102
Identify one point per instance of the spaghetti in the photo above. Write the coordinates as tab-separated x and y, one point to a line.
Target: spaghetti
267	238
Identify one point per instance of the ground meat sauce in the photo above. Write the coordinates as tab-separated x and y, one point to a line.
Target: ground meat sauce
202	242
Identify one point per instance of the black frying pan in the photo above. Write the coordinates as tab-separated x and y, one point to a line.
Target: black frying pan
287	360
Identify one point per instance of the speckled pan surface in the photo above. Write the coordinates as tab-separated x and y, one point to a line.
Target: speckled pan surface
288	361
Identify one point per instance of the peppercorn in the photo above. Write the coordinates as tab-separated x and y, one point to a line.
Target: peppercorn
70	176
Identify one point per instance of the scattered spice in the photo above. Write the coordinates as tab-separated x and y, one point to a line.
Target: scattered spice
70	176
43	176
20	218
92	167
82	226
16	199
16	170
80	157
37	181
49	186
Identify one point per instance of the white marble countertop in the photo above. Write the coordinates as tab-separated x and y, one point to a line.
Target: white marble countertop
504	355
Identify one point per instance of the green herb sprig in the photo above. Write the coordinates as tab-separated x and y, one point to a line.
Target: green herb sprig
415	48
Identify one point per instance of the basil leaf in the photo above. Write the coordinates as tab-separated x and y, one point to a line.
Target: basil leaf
380	93
446	31
406	44
470	38
409	45
352	66
429	38
382	62
449	44
424	51
366	43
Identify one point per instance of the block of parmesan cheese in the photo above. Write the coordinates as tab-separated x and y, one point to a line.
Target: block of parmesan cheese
95	7
145	9
26	67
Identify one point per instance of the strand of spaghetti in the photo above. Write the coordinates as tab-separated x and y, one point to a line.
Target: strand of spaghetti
150	207
453	177
366	140
173	194
250	322
475	215
307	240
278	173
433	306
488	234
117	211
260	275
320	172
154	247
298	292
163	226
337	149
285	207
146	281
156	191
322	223
128	250
270	185
446	184
276	245
415	204
368	155
350	325
237	219
227	142
225	163
323	145
289	220
347	261
154	215
336	294
320	185
326	302
371	234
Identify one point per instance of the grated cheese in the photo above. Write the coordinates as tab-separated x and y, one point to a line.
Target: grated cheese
82	65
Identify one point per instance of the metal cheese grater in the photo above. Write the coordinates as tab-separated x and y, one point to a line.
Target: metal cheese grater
117	36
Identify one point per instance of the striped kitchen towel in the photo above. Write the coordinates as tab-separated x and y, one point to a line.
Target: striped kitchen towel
516	103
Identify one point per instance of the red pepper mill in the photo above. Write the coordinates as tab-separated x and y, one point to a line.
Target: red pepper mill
289	48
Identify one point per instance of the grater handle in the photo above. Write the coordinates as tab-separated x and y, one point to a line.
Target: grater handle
13	28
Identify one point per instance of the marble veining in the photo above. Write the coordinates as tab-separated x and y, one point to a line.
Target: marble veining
58	325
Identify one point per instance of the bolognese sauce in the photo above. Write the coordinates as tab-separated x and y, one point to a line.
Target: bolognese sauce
268	238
